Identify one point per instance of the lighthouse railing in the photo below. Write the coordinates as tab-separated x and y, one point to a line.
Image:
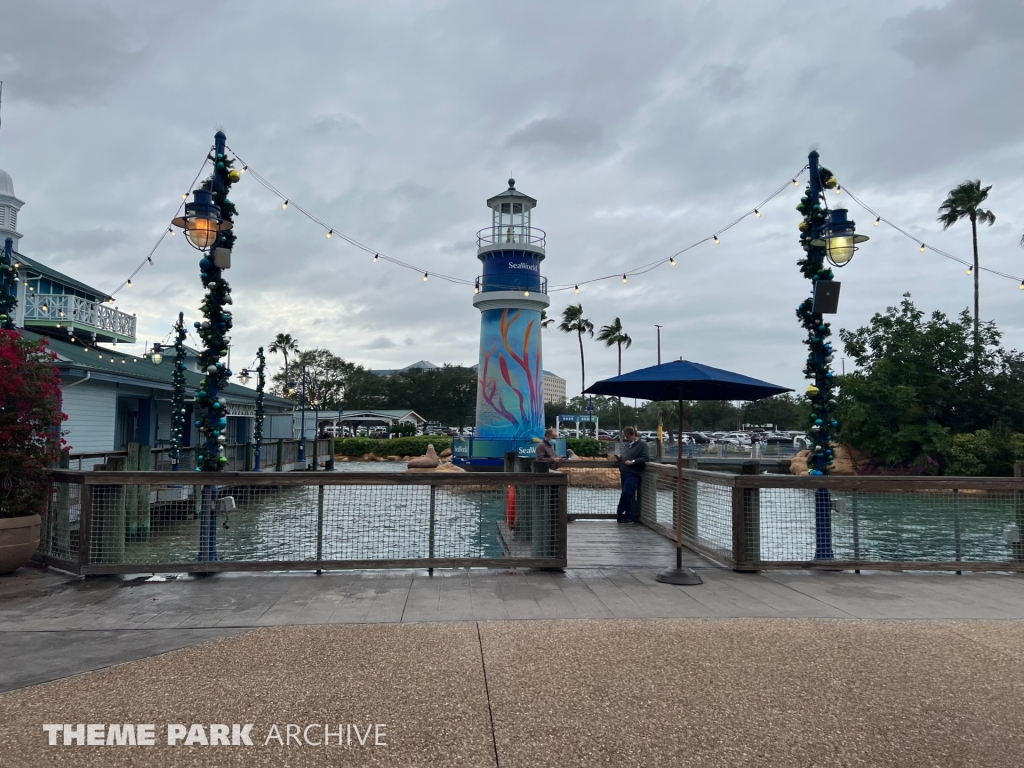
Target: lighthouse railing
511	234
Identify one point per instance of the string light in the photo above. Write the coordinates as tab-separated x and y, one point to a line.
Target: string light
838	189
171	230
375	257
922	248
425	277
185	196
717	241
796	183
284	206
878	220
970	271
578	288
672	261
624	279
130	282
329	233
1022	285
526	293
244	169
757	213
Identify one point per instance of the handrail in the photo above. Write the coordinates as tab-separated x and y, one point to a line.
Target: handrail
309	478
511	234
506	282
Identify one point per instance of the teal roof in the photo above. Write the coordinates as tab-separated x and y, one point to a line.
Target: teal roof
60	277
104	361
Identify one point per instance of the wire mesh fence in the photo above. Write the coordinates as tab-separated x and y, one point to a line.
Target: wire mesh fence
124	522
240	456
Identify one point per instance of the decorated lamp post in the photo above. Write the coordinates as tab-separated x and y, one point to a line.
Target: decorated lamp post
302	423
178	397
828	240
8	286
207	223
257	430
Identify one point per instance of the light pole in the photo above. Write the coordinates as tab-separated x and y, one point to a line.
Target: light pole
178	398
659	342
8	287
824	237
208	223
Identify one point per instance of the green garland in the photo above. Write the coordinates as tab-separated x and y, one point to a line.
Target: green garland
8	287
821	392
261	383
211	406
178	398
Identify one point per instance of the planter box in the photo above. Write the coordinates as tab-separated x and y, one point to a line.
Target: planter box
19	540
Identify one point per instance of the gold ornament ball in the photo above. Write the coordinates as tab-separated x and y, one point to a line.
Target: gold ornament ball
234	176
831	182
812	391
804	226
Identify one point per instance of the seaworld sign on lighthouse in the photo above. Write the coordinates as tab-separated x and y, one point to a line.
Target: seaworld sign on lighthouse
510	294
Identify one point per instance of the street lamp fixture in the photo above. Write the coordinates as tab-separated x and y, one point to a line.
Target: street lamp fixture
243	377
839	238
202	221
157	355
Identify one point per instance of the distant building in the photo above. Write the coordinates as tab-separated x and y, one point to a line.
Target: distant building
423	365
554	388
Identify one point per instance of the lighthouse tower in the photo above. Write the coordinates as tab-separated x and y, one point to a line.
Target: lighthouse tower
510	294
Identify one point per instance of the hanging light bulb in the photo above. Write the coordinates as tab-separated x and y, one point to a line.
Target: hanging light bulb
838	189
970	271
757	213
624	278
578	288
672	261
45	307
329	233
171	230
375	257
185	196
425	275
921	249
1022	285
717	241
284	206
796	183
244	169
526	293
878	220
129	282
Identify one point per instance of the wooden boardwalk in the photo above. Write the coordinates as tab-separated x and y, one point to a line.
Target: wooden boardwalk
606	544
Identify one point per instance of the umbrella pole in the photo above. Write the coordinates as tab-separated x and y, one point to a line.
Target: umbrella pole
679	575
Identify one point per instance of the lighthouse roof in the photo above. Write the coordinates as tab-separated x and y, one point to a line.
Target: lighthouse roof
511	194
6	184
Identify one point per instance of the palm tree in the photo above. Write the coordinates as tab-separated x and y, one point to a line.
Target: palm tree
964	202
545	321
284	343
573	321
613	334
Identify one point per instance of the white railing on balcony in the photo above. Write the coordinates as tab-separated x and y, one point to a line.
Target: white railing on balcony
78	311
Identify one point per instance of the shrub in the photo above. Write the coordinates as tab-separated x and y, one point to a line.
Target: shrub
986	453
30	419
584	446
399	446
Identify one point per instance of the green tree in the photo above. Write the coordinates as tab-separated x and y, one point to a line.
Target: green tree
786	411
964	202
614	336
327	377
573	321
919	381
283	343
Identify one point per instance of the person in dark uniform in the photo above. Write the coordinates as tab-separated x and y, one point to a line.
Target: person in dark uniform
632	462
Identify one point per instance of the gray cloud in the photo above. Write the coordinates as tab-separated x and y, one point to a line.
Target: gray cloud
640	131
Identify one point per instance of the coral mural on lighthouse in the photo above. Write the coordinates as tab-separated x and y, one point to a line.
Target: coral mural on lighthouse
510	394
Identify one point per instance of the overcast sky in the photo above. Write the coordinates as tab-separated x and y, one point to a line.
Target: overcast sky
639	127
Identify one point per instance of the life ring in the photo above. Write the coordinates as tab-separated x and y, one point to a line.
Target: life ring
510	506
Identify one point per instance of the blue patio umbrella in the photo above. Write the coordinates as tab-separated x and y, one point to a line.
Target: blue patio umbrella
682	380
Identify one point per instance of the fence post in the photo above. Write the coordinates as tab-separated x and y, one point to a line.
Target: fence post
648	493
85	526
739	537
433	519
131	494
752	514
142	511
1018	548
958	555
249	457
62	513
541	543
280	455
561	520
319	525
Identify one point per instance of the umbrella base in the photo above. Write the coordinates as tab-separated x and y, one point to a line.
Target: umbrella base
684	577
